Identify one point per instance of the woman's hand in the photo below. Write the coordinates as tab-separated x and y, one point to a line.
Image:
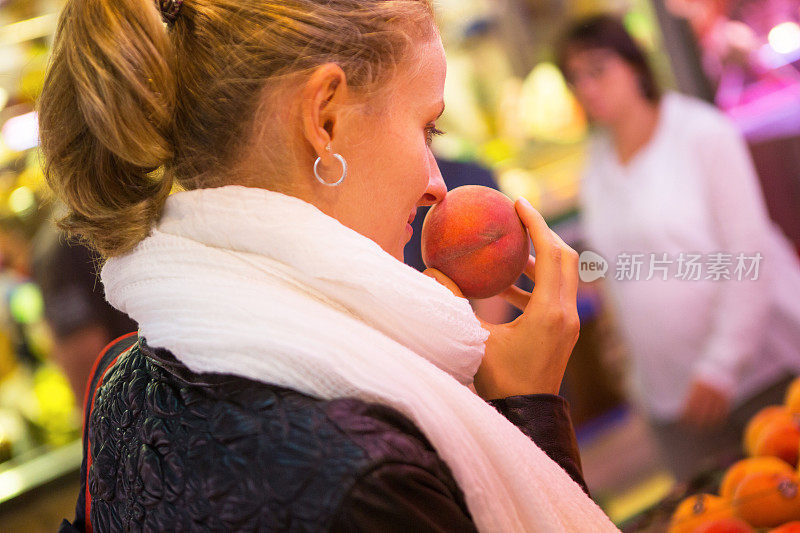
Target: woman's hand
706	407
530	354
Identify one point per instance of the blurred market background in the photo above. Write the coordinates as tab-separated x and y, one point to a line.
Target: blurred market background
509	109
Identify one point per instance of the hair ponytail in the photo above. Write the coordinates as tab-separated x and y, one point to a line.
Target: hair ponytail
105	120
129	107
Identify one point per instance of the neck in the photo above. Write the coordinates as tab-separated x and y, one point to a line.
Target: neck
635	129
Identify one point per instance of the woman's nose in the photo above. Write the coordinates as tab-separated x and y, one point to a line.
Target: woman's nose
436	187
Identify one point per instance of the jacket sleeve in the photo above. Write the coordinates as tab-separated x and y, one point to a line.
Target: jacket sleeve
395	497
545	419
103	362
402	497
743	227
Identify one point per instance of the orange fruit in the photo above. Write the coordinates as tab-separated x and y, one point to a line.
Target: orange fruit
761	419
698	510
768	499
779	438
725	525
792	398
791	527
742	468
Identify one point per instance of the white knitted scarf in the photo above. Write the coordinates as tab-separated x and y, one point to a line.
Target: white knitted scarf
266	286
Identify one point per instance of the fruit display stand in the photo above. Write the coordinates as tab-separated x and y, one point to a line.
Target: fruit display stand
756	492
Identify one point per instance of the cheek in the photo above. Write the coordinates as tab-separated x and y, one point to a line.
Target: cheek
595	101
375	155
586	95
407	159
623	84
392	162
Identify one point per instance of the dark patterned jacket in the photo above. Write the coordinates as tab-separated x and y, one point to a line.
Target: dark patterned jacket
169	450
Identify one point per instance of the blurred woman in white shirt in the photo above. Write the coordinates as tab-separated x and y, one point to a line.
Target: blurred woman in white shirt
703	285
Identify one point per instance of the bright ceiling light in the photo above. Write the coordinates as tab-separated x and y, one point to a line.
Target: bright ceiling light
785	37
21	200
21	133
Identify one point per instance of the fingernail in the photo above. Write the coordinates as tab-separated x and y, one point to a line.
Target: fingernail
525	202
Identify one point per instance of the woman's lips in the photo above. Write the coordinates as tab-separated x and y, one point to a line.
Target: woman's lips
409	228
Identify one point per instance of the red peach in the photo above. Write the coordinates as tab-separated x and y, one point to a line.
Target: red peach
475	237
789	527
725	525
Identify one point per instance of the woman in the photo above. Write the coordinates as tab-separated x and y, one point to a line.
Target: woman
671	196
290	372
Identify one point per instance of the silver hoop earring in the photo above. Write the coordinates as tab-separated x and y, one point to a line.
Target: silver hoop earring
344	170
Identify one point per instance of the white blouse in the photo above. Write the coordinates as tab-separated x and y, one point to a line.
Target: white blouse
687	212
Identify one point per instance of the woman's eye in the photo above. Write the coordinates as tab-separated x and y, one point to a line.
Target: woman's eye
430	131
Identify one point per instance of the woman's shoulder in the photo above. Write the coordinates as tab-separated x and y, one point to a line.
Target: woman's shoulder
597	154
187	446
690	114
369	426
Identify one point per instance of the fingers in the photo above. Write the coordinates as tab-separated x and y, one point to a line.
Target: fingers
690	408
719	415
710	416
557	265
715	411
547	267
517	297
691	416
450	284
703	413
569	272
444	280
704	409
530	268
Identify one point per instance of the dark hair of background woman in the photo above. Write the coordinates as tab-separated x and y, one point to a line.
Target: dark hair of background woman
607	32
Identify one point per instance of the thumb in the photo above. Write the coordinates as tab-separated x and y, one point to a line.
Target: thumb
450	284
444	280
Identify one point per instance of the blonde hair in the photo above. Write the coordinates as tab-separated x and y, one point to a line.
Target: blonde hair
131	109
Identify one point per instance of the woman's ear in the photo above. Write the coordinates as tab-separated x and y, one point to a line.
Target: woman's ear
323	98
